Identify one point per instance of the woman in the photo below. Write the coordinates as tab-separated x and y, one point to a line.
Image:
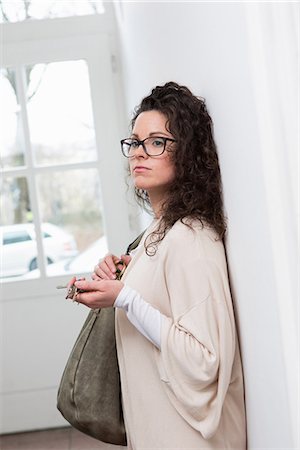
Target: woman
178	354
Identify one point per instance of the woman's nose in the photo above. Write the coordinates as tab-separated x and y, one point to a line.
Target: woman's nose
139	152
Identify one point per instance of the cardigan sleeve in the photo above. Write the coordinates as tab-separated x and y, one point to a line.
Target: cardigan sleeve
198	342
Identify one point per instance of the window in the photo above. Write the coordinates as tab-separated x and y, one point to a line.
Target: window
62	169
14	237
19	10
50	125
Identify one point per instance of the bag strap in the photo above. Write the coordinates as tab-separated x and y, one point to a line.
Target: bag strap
132	246
135	243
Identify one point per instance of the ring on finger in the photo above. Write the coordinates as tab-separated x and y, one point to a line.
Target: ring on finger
75	299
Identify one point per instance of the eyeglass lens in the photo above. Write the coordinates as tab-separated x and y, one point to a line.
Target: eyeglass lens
153	146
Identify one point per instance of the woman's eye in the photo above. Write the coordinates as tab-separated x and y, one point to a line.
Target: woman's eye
158	142
134	144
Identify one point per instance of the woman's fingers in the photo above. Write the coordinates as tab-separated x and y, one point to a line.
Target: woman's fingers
86	285
102	271
71	288
126	259
95	277
98	294
111	261
106	269
71	282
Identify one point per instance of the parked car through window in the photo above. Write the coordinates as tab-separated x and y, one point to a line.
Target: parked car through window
19	250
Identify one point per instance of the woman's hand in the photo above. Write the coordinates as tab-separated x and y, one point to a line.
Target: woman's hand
98	293
106	269
104	289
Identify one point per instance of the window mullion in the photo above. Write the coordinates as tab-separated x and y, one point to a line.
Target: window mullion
24	171
31	179
16	172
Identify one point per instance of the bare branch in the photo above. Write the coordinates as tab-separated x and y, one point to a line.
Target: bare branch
5	17
11	76
93	5
50	13
26	7
28	72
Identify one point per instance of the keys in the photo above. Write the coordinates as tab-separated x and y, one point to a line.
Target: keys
120	272
73	290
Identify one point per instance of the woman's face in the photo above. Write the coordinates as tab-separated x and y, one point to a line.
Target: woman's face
153	174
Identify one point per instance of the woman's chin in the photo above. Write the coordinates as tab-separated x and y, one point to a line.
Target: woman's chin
141	186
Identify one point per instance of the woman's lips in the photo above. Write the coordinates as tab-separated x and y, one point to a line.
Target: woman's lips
140	169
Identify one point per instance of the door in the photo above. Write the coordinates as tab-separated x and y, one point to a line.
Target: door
62	170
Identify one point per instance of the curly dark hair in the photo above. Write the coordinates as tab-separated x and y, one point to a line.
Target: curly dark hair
196	192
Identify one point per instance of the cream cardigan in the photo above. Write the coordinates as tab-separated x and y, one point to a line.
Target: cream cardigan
190	394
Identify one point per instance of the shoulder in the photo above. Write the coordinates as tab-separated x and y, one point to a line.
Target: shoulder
190	232
192	240
192	228
194	261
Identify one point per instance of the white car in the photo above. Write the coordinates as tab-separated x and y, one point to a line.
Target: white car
19	250
83	263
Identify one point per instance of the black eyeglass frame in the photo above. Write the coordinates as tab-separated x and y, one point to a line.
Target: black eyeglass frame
142	143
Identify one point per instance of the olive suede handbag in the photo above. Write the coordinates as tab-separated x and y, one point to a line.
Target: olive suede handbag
89	395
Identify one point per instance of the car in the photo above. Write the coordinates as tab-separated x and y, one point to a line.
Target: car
82	263
19	249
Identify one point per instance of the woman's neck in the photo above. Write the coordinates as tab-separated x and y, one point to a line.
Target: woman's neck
157	202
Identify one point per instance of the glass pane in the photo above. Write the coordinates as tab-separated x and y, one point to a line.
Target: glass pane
11	127
60	113
17	239
70	204
18	10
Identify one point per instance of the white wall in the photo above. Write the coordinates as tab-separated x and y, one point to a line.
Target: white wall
242	57
37	333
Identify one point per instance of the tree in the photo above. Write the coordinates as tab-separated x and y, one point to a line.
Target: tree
22	206
24	10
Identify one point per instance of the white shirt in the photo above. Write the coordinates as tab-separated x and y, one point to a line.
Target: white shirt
141	314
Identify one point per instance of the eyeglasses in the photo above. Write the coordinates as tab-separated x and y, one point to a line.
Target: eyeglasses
152	146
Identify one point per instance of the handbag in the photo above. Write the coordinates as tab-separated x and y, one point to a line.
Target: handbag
89	394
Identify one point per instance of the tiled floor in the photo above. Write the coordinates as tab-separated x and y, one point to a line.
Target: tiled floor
58	439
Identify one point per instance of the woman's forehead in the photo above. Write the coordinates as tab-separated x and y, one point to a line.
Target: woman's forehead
150	122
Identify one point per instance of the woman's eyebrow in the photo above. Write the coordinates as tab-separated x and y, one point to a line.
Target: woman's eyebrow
153	133
158	133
